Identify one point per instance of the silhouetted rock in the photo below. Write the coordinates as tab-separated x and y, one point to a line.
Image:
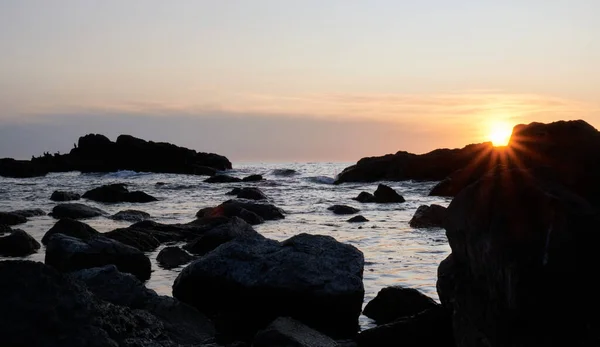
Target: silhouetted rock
70	313
284	172
141	239
248	193
35	212
432	327
253	178
75	211
72	228
285	331
11	218
222	179
96	153
365	197
428	217
131	215
357	219
253	213
172	257
211	239
248	282
58	195
66	253
17	243
384	194
117	193
396	302
519	242
343	209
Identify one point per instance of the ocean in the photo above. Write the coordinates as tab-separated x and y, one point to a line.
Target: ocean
395	253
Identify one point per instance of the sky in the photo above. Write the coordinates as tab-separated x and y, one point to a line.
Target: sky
275	80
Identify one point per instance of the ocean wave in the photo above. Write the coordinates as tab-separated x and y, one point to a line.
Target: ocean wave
124	174
321	179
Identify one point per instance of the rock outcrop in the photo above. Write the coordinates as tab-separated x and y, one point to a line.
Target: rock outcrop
17	243
428	217
113	193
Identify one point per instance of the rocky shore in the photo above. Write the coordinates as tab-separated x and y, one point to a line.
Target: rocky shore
521	228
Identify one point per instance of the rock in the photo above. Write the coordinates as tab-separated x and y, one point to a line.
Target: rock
18	243
131	216
234	191
285	331
248	282
66	253
429	217
74	316
141	239
21	168
204	170
30	213
385	194
519	242
357	219
58	195
343	209
432	327
365	197
222	179
11	218
172	257
265	211
284	172
117	193
251	194
253	178
72	228
75	211
252	213
392	303
211	239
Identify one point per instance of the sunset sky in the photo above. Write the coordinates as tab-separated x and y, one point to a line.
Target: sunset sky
279	80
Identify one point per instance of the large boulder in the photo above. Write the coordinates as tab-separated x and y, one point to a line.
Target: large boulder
248	282
222	179
428	217
432	327
343	209
288	332
172	257
42	307
365	197
249	193
392	303
28	213
11	218
385	194
66	253
211	239
72	228
17	243
523	248
75	211
112	193
251	212
141	239
59	195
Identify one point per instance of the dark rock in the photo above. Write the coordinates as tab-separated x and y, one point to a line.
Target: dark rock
172	257
365	197
230	210
21	168
429	217
11	218
222	179
117	193
248	282
178	232
357	219
385	194
253	178
75	211
234	191
211	239
18	243
74	316
141	239
343	209
284	172
519	243
396	302
30	213
251	194
66	253
131	216
432	327
72	228
288	332
58	195
265	211
204	170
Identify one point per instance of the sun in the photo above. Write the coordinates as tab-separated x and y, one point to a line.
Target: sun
499	133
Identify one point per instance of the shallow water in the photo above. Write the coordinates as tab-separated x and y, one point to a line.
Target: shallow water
394	252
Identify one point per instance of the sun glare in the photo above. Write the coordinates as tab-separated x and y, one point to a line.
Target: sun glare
499	133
